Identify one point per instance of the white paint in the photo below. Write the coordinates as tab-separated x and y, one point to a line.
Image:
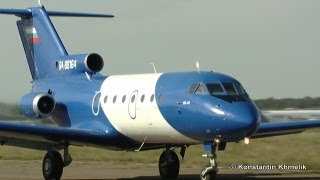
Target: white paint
39	3
146	122
96	103
31	30
88	76
154	68
67	64
132	107
185	102
198	66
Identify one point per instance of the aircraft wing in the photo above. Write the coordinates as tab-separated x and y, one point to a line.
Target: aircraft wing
282	128
41	137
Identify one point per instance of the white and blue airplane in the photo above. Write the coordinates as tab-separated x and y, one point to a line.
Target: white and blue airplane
126	112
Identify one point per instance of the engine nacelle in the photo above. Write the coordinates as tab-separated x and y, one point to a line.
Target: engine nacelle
37	105
91	63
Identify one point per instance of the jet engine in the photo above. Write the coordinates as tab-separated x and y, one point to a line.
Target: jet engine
79	63
36	105
93	63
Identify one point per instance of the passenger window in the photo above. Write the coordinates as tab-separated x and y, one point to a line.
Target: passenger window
192	88
230	88
142	98
133	98
105	99
201	89
152	98
215	89
115	99
124	98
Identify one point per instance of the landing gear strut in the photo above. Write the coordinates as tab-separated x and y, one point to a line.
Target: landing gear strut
209	172
169	165
52	165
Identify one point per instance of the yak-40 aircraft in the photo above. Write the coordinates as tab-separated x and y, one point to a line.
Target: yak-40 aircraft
126	112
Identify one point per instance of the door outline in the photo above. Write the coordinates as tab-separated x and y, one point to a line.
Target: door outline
132	105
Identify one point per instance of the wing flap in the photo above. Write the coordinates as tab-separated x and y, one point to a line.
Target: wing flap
26	143
284	128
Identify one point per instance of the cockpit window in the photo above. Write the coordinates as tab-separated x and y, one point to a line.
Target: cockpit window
201	89
239	88
215	89
192	88
230	92
230	89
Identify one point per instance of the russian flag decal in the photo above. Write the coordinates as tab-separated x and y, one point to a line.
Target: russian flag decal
32	34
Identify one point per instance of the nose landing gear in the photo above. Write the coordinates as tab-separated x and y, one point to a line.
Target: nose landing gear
210	171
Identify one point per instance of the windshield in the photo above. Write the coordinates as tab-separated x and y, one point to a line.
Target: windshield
231	92
239	88
218	89
215	89
230	89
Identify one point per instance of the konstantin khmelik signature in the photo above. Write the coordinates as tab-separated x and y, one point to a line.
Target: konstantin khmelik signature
268	166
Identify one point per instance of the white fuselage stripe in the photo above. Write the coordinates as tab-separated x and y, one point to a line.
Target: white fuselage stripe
129	103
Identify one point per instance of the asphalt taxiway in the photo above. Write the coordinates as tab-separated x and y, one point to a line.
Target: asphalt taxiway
31	170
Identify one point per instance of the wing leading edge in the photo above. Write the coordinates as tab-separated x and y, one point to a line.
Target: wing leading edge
42	137
283	128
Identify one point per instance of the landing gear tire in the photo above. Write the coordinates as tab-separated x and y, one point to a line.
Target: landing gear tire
52	166
208	173
169	165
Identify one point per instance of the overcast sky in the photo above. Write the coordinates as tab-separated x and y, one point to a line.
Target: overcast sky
271	46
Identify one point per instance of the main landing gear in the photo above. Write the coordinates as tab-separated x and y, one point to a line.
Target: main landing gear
210	171
53	164
169	165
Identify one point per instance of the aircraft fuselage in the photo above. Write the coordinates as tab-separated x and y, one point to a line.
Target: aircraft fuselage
156	108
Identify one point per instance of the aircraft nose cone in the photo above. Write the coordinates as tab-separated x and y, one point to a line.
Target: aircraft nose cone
245	119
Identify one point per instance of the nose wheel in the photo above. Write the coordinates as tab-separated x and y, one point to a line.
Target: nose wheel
210	171
169	165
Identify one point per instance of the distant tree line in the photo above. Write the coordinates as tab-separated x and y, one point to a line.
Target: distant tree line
9	109
288	103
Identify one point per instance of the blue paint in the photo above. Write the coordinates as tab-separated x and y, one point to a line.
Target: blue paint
198	120
276	128
76	94
26	105
42	44
207	147
49	48
59	135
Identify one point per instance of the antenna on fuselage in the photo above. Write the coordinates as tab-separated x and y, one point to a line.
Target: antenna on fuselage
198	66
39	2
154	68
